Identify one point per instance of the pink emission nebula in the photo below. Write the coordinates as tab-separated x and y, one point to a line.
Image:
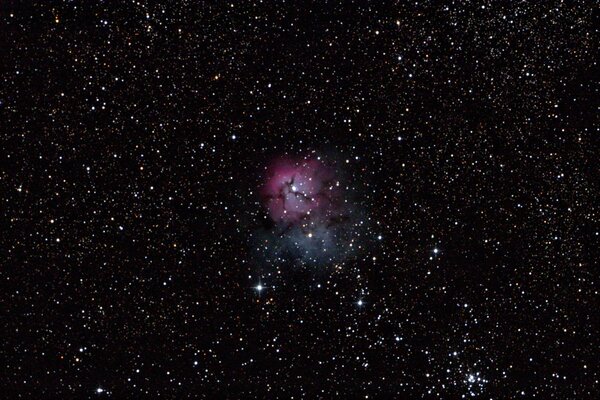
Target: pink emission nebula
298	190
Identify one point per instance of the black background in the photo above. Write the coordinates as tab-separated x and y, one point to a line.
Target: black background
466	127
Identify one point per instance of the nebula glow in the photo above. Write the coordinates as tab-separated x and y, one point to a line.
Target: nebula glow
311	217
300	191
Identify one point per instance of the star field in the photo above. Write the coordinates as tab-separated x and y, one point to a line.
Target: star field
444	190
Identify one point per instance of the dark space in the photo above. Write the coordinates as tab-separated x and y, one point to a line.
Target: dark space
138	259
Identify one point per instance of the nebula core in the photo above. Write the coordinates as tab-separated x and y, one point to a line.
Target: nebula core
309	211
299	191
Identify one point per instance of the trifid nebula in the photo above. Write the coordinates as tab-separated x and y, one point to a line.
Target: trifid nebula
299	200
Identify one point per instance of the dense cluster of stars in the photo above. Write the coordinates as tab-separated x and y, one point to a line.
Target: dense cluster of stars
431	233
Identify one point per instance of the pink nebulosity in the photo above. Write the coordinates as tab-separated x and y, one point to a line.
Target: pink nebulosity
297	190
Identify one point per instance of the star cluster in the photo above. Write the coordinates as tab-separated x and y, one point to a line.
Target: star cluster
265	199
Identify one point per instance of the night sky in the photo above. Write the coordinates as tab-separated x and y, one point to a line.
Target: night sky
286	200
